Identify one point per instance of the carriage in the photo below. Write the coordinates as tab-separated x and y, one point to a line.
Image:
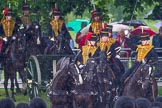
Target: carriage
42	68
40	71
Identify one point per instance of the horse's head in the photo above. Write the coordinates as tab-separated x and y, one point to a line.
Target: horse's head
34	31
141	78
90	70
36	26
144	73
75	73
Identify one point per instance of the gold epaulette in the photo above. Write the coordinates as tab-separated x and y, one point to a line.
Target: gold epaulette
56	26
96	26
26	20
143	51
86	50
8	27
112	40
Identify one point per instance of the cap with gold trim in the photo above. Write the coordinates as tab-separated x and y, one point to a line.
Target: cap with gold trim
95	13
7	12
144	36
104	32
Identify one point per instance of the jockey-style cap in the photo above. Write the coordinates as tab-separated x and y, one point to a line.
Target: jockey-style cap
109	28
55	12
7	12
145	36
95	13
25	7
104	32
91	37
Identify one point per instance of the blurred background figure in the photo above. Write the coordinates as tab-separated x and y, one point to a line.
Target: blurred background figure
123	42
37	103
125	102
7	103
80	40
157	40
22	105
142	103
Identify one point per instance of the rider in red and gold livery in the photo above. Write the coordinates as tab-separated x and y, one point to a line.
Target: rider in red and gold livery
26	15
97	25
88	50
58	31
7	30
146	54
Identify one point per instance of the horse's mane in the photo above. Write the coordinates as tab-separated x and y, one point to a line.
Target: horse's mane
61	71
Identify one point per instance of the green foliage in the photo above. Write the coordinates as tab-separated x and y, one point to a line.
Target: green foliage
112	10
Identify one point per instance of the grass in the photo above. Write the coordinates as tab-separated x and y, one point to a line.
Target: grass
22	98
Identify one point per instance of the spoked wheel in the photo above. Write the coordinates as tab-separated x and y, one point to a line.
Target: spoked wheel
33	77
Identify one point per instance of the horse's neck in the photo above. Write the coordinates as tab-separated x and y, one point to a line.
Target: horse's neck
60	83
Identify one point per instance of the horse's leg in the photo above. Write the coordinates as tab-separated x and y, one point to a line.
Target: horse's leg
22	76
74	102
17	85
6	84
12	88
89	102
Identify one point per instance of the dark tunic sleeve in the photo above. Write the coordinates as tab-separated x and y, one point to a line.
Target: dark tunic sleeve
50	31
1	30
90	29
112	49
152	57
65	32
156	41
15	29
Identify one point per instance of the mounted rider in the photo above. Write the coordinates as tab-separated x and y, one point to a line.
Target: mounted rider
97	25
26	21
8	30
88	50
58	32
146	54
109	44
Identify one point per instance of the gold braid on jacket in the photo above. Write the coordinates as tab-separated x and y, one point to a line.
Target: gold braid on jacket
143	51
56	26
96	26
86	50
26	20
104	45
8	27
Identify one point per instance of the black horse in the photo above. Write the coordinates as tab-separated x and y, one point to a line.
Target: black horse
59	90
141	84
14	61
84	92
105	79
33	37
59	44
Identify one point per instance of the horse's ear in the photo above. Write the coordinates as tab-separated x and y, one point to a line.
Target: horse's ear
90	55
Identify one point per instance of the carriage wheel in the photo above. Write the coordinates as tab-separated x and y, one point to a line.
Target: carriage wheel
33	77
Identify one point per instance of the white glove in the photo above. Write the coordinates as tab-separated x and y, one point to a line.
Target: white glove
81	66
5	39
143	61
117	56
13	37
52	39
21	26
